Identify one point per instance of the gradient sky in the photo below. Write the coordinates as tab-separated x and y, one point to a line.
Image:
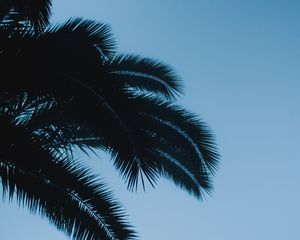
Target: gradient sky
240	61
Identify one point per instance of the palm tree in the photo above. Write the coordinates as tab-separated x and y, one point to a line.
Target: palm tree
66	88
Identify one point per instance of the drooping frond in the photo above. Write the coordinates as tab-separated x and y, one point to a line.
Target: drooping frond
196	137
170	167
66	193
165	139
164	132
88	212
145	74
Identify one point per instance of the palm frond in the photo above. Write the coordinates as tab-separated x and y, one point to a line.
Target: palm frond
66	193
195	135
171	168
145	74
36	12
87	32
83	209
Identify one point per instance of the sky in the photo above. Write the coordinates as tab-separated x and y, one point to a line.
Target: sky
240	62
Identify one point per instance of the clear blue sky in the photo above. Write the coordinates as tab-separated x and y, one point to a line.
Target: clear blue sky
240	61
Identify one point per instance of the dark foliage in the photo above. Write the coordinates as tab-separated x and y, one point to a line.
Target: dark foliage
36	12
65	87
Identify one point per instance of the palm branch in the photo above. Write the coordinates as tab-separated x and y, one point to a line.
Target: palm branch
39	177
36	13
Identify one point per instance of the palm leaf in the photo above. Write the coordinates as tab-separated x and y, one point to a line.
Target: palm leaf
145	74
66	193
87	32
82	209
195	134
36	12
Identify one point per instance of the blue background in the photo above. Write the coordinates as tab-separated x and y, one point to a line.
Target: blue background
240	61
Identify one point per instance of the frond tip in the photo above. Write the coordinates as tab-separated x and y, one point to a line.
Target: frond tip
86	31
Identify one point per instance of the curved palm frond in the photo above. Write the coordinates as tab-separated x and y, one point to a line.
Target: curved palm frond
155	125
81	208
87	32
170	167
145	75
195	134
66	193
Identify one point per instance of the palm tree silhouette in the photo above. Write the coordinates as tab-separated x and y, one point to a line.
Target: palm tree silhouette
67	87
